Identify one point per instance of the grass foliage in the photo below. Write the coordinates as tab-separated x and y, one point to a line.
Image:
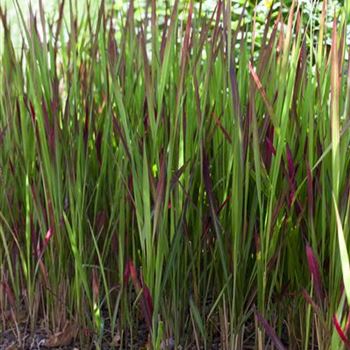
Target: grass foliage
171	173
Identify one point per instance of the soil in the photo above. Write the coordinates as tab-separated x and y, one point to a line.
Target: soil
20	338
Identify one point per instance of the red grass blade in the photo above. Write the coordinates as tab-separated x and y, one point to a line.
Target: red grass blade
340	332
270	332
269	147
314	271
147	304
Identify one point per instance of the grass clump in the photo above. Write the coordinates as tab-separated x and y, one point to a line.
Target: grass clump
164	172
